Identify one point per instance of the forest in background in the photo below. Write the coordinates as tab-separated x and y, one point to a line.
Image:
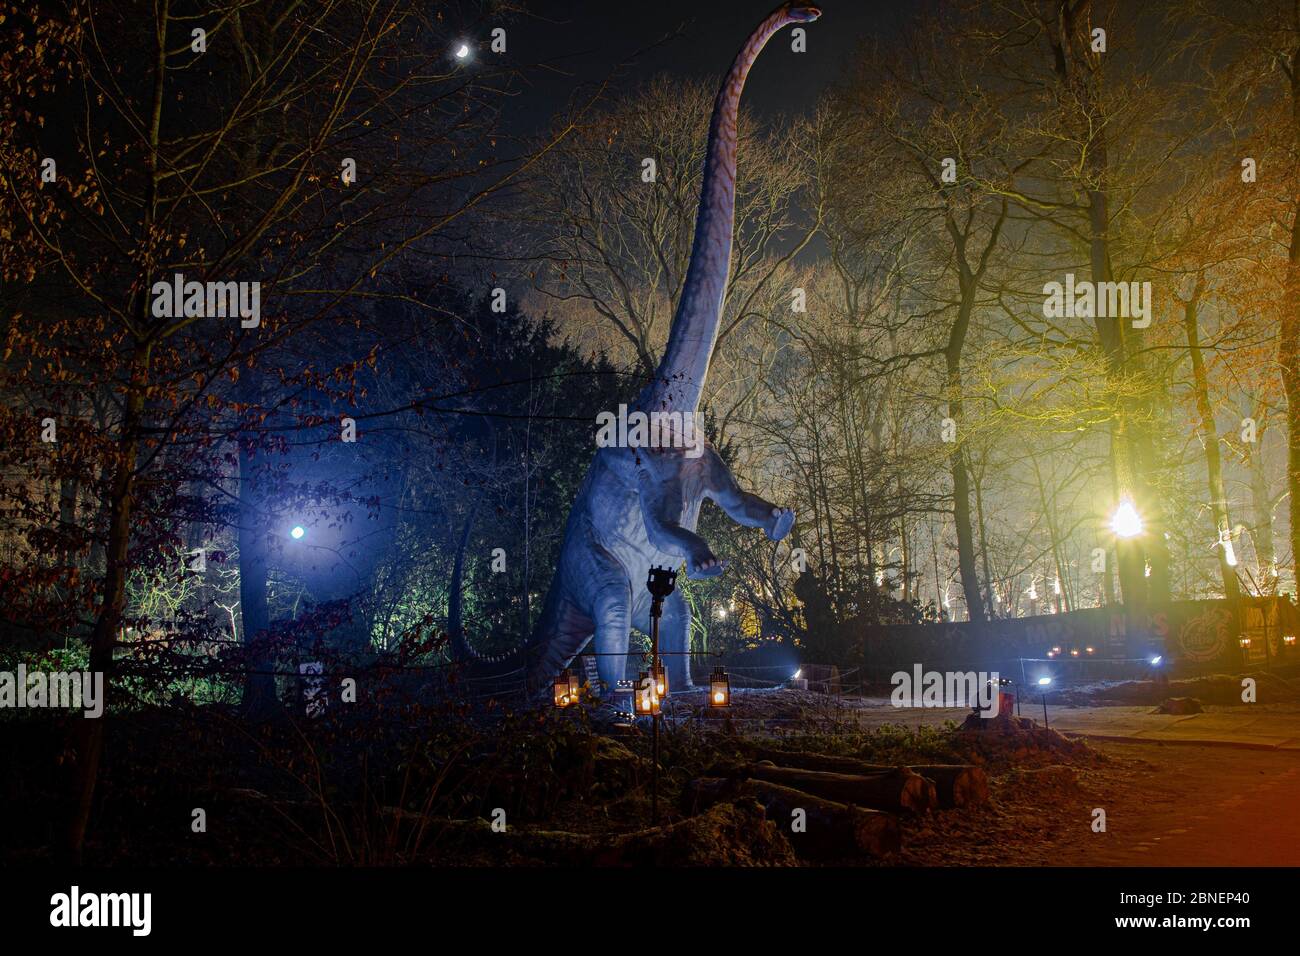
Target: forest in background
470	301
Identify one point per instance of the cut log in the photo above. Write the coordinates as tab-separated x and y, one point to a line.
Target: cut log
893	789
957	785
831	830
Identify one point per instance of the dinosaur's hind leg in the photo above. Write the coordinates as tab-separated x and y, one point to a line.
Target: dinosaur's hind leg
674	638
613	618
675	642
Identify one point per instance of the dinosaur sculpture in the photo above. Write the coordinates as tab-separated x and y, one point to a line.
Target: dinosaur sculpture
638	506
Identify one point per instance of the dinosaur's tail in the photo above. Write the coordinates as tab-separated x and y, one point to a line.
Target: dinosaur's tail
521	660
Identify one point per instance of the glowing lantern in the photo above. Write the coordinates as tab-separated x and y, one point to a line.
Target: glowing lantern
647	701
565	689
719	688
661	681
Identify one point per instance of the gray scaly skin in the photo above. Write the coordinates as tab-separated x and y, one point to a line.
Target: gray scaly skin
638	507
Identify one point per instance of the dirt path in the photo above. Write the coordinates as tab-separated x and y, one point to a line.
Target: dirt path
1166	805
1182	805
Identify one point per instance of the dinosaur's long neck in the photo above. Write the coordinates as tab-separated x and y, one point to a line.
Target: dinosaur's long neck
680	377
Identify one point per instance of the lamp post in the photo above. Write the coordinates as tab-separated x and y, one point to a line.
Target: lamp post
660	584
1043	682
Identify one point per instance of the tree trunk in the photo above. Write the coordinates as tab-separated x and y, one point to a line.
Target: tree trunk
1261	501
260	700
88	735
1288	347
1210	439
970	583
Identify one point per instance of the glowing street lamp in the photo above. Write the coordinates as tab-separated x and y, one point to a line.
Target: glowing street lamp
1126	522
297	532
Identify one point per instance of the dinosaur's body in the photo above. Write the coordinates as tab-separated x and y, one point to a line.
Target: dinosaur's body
638	507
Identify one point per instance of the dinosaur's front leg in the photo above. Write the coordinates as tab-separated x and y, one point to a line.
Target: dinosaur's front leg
742	507
661	510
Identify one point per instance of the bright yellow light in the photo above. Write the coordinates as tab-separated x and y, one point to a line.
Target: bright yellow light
1126	522
718	697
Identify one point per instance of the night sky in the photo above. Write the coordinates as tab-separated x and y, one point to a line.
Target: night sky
591	40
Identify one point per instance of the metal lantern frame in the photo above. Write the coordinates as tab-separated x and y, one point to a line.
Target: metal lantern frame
564	689
719	686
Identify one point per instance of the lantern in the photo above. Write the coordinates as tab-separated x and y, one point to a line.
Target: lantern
565	689
661	681
719	688
647	701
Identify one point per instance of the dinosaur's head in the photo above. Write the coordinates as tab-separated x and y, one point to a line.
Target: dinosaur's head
803	12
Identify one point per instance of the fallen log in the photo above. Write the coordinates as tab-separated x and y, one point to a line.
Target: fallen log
891	789
734	833
957	785
830	830
824	762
